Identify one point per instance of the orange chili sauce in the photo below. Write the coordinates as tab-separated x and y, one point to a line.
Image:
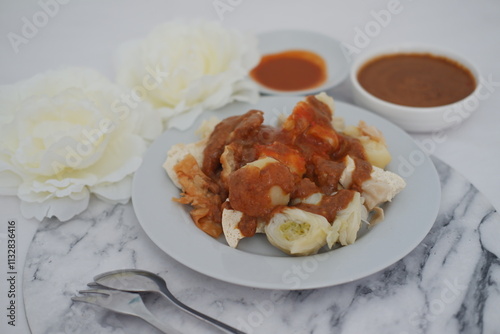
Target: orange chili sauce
290	70
416	80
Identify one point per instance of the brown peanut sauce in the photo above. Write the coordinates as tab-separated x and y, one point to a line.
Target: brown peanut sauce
416	80
305	188
329	204
310	157
249	187
361	173
241	129
248	225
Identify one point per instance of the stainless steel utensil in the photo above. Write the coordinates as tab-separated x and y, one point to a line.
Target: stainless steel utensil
123	302
134	280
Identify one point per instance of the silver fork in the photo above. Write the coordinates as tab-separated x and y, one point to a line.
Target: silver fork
122	302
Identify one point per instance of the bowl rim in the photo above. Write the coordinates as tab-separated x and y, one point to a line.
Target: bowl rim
414	48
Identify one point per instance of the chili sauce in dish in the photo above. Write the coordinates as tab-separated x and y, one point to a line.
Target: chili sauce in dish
290	70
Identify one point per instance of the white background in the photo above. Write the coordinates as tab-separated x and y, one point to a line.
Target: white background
87	33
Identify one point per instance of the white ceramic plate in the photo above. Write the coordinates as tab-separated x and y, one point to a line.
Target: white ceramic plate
256	263
328	48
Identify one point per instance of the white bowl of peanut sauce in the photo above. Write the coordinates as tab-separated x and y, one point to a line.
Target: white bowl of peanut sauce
420	88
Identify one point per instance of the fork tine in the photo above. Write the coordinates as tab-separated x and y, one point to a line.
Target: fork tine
97	290
90	299
84	299
95	285
122	302
94	296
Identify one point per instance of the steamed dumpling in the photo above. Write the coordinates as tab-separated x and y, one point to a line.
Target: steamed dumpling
259	186
313	199
373	142
297	232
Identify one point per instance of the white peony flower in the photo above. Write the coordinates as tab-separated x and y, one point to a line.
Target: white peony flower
196	66
66	134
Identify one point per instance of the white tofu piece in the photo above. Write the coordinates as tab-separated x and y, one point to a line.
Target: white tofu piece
230	221
346	177
381	187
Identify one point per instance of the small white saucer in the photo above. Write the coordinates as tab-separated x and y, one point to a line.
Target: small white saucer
326	47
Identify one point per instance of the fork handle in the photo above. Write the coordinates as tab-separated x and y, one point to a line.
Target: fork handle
222	326
152	320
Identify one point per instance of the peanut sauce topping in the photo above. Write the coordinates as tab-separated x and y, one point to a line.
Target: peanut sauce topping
417	80
308	158
329	204
249	188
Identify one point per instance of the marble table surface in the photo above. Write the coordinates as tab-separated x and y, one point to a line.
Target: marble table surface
450	283
87	33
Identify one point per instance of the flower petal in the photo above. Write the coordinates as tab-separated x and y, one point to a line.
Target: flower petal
66	133
195	65
62	208
117	192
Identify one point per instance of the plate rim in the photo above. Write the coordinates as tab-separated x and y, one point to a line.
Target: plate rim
282	262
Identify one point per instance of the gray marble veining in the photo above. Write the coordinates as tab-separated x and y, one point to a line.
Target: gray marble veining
450	283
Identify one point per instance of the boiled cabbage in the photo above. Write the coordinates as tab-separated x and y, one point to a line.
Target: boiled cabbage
297	232
347	222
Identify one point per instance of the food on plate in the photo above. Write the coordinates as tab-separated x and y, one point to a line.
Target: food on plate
202	193
260	186
381	186
306	184
297	232
347	222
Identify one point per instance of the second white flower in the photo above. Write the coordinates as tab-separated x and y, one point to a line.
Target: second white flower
185	68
